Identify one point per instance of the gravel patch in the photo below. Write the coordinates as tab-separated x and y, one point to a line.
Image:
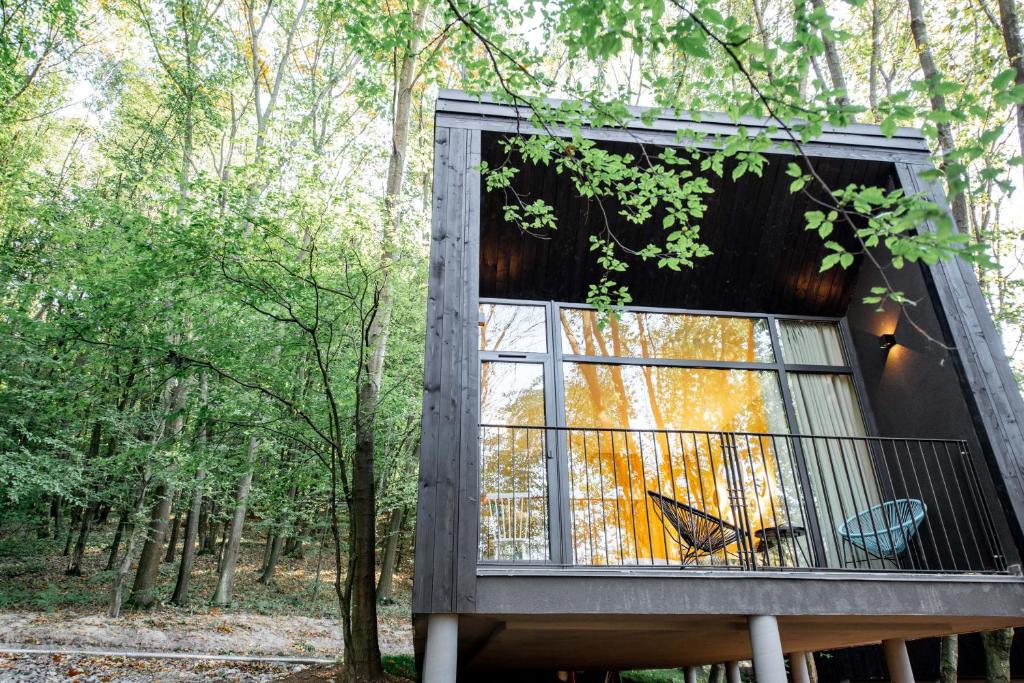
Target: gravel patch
58	668
183	631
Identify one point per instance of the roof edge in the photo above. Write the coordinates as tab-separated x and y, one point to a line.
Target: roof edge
450	101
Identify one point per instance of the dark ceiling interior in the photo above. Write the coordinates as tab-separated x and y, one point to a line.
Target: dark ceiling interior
763	260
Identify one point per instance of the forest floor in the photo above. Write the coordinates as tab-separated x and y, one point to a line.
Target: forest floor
21	668
295	616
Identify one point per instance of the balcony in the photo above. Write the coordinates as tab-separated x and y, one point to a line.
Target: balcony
773	502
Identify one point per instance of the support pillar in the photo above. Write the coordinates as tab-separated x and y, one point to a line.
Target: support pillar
691	674
440	658
798	667
769	662
898	661
732	672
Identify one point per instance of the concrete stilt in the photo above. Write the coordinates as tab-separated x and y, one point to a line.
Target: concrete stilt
898	661
798	667
732	672
441	656
691	674
769	662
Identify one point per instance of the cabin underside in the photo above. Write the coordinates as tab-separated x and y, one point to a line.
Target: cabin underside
618	620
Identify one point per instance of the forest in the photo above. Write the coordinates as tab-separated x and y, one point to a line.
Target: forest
214	229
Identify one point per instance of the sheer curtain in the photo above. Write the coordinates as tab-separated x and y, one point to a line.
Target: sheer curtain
841	472
811	343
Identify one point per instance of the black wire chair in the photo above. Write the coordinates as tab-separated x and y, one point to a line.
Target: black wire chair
703	533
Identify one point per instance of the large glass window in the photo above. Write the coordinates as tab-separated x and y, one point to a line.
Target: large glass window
659	410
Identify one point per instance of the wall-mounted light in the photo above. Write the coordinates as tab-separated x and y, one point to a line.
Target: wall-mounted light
886	341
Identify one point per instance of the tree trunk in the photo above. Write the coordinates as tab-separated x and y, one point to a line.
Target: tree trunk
997	654
224	529
1010	25
266	549
945	133
52	527
208	529
222	595
835	65
124	566
88	514
293	546
144	588
189	544
272	557
812	667
362	649
385	585
76	515
876	56
948	656
75	565
115	545
319	562
717	673
172	544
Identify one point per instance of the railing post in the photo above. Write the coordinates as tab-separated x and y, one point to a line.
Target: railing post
556	452
738	499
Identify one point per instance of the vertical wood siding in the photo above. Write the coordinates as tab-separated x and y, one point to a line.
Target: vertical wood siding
447	509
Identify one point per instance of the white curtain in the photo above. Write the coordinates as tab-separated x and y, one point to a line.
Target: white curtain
811	343
842	478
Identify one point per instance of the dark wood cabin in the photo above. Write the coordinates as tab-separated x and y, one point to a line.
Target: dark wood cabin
747	461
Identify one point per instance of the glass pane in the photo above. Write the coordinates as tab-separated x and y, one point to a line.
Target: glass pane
842	475
692	399
508	327
675	336
513	463
811	343
825	405
622	482
512	393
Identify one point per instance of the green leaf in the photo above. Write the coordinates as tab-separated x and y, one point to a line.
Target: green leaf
1004	79
828	262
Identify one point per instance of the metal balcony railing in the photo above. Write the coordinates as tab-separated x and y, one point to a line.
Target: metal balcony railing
615	497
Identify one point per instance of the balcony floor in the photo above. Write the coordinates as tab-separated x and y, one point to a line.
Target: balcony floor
619	619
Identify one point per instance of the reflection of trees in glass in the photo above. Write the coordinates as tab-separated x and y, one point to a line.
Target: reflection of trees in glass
513	471
678	336
508	327
612	516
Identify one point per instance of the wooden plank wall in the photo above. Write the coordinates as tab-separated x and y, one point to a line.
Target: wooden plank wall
997	403
448	507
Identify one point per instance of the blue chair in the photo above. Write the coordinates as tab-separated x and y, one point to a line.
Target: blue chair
885	529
